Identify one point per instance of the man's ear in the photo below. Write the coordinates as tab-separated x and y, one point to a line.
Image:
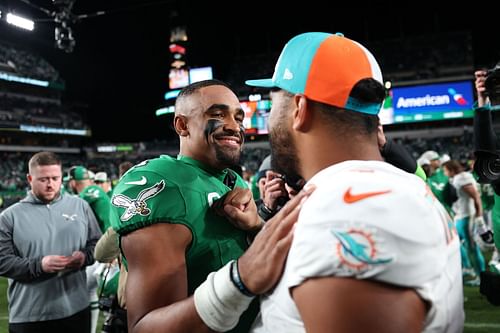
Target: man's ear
180	125
302	116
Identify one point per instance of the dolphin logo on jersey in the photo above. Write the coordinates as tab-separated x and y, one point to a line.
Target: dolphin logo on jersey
357	249
138	205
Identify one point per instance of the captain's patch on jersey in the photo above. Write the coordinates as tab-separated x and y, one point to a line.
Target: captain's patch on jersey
357	249
137	205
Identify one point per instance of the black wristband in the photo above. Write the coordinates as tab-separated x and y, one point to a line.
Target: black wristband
236	280
265	212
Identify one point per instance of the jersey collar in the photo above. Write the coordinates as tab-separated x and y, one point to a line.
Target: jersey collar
220	174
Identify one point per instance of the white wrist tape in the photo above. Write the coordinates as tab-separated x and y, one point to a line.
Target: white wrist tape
218	302
481	226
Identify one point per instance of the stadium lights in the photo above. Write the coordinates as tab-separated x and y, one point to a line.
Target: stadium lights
254	97
165	110
20	22
172	94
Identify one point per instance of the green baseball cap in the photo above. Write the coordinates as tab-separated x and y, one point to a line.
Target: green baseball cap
79	173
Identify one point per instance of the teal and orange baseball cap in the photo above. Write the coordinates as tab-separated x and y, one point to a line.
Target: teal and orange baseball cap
324	67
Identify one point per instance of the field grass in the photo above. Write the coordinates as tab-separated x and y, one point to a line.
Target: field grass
481	317
4	316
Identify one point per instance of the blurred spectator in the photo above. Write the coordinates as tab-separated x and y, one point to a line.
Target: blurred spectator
468	215
81	183
123	167
101	179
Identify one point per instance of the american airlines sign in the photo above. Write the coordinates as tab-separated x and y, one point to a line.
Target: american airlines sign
427	100
431	102
450	96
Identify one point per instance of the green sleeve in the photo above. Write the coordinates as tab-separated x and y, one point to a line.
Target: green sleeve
143	198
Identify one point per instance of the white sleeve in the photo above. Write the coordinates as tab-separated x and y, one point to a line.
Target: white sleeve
462	179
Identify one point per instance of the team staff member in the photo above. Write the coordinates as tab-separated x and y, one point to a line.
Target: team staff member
46	241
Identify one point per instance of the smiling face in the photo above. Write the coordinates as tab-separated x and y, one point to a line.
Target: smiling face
210	124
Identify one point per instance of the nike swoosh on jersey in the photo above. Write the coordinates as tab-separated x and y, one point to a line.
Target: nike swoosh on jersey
350	198
143	181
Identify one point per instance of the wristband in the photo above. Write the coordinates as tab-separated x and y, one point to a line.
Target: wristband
236	280
265	212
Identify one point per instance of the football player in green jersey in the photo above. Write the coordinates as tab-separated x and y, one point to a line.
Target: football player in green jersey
174	232
80	182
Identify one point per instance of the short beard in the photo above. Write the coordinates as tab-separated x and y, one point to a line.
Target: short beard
227	159
45	199
284	155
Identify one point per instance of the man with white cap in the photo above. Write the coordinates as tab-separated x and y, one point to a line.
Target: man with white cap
438	181
373	251
101	179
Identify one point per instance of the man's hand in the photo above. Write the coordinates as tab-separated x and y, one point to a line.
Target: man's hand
480	76
274	188
76	260
239	208
54	263
262	264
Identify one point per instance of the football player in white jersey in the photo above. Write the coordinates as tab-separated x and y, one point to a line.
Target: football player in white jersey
373	250
468	211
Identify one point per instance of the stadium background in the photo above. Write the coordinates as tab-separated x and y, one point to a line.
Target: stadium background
117	73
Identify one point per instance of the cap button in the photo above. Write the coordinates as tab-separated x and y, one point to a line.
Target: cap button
339	34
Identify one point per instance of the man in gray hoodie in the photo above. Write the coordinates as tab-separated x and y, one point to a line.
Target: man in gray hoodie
46	241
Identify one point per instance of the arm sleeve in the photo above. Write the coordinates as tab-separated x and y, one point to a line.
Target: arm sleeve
11	264
107	248
397	155
462	179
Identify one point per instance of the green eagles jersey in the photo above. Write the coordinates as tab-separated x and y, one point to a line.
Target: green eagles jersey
100	204
182	190
487	196
437	182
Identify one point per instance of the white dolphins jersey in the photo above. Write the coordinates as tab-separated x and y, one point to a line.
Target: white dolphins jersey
464	206
370	220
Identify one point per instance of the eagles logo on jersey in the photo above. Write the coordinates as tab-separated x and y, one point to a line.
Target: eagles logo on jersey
137	205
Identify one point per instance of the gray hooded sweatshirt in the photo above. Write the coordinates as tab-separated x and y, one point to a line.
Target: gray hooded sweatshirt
30	230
